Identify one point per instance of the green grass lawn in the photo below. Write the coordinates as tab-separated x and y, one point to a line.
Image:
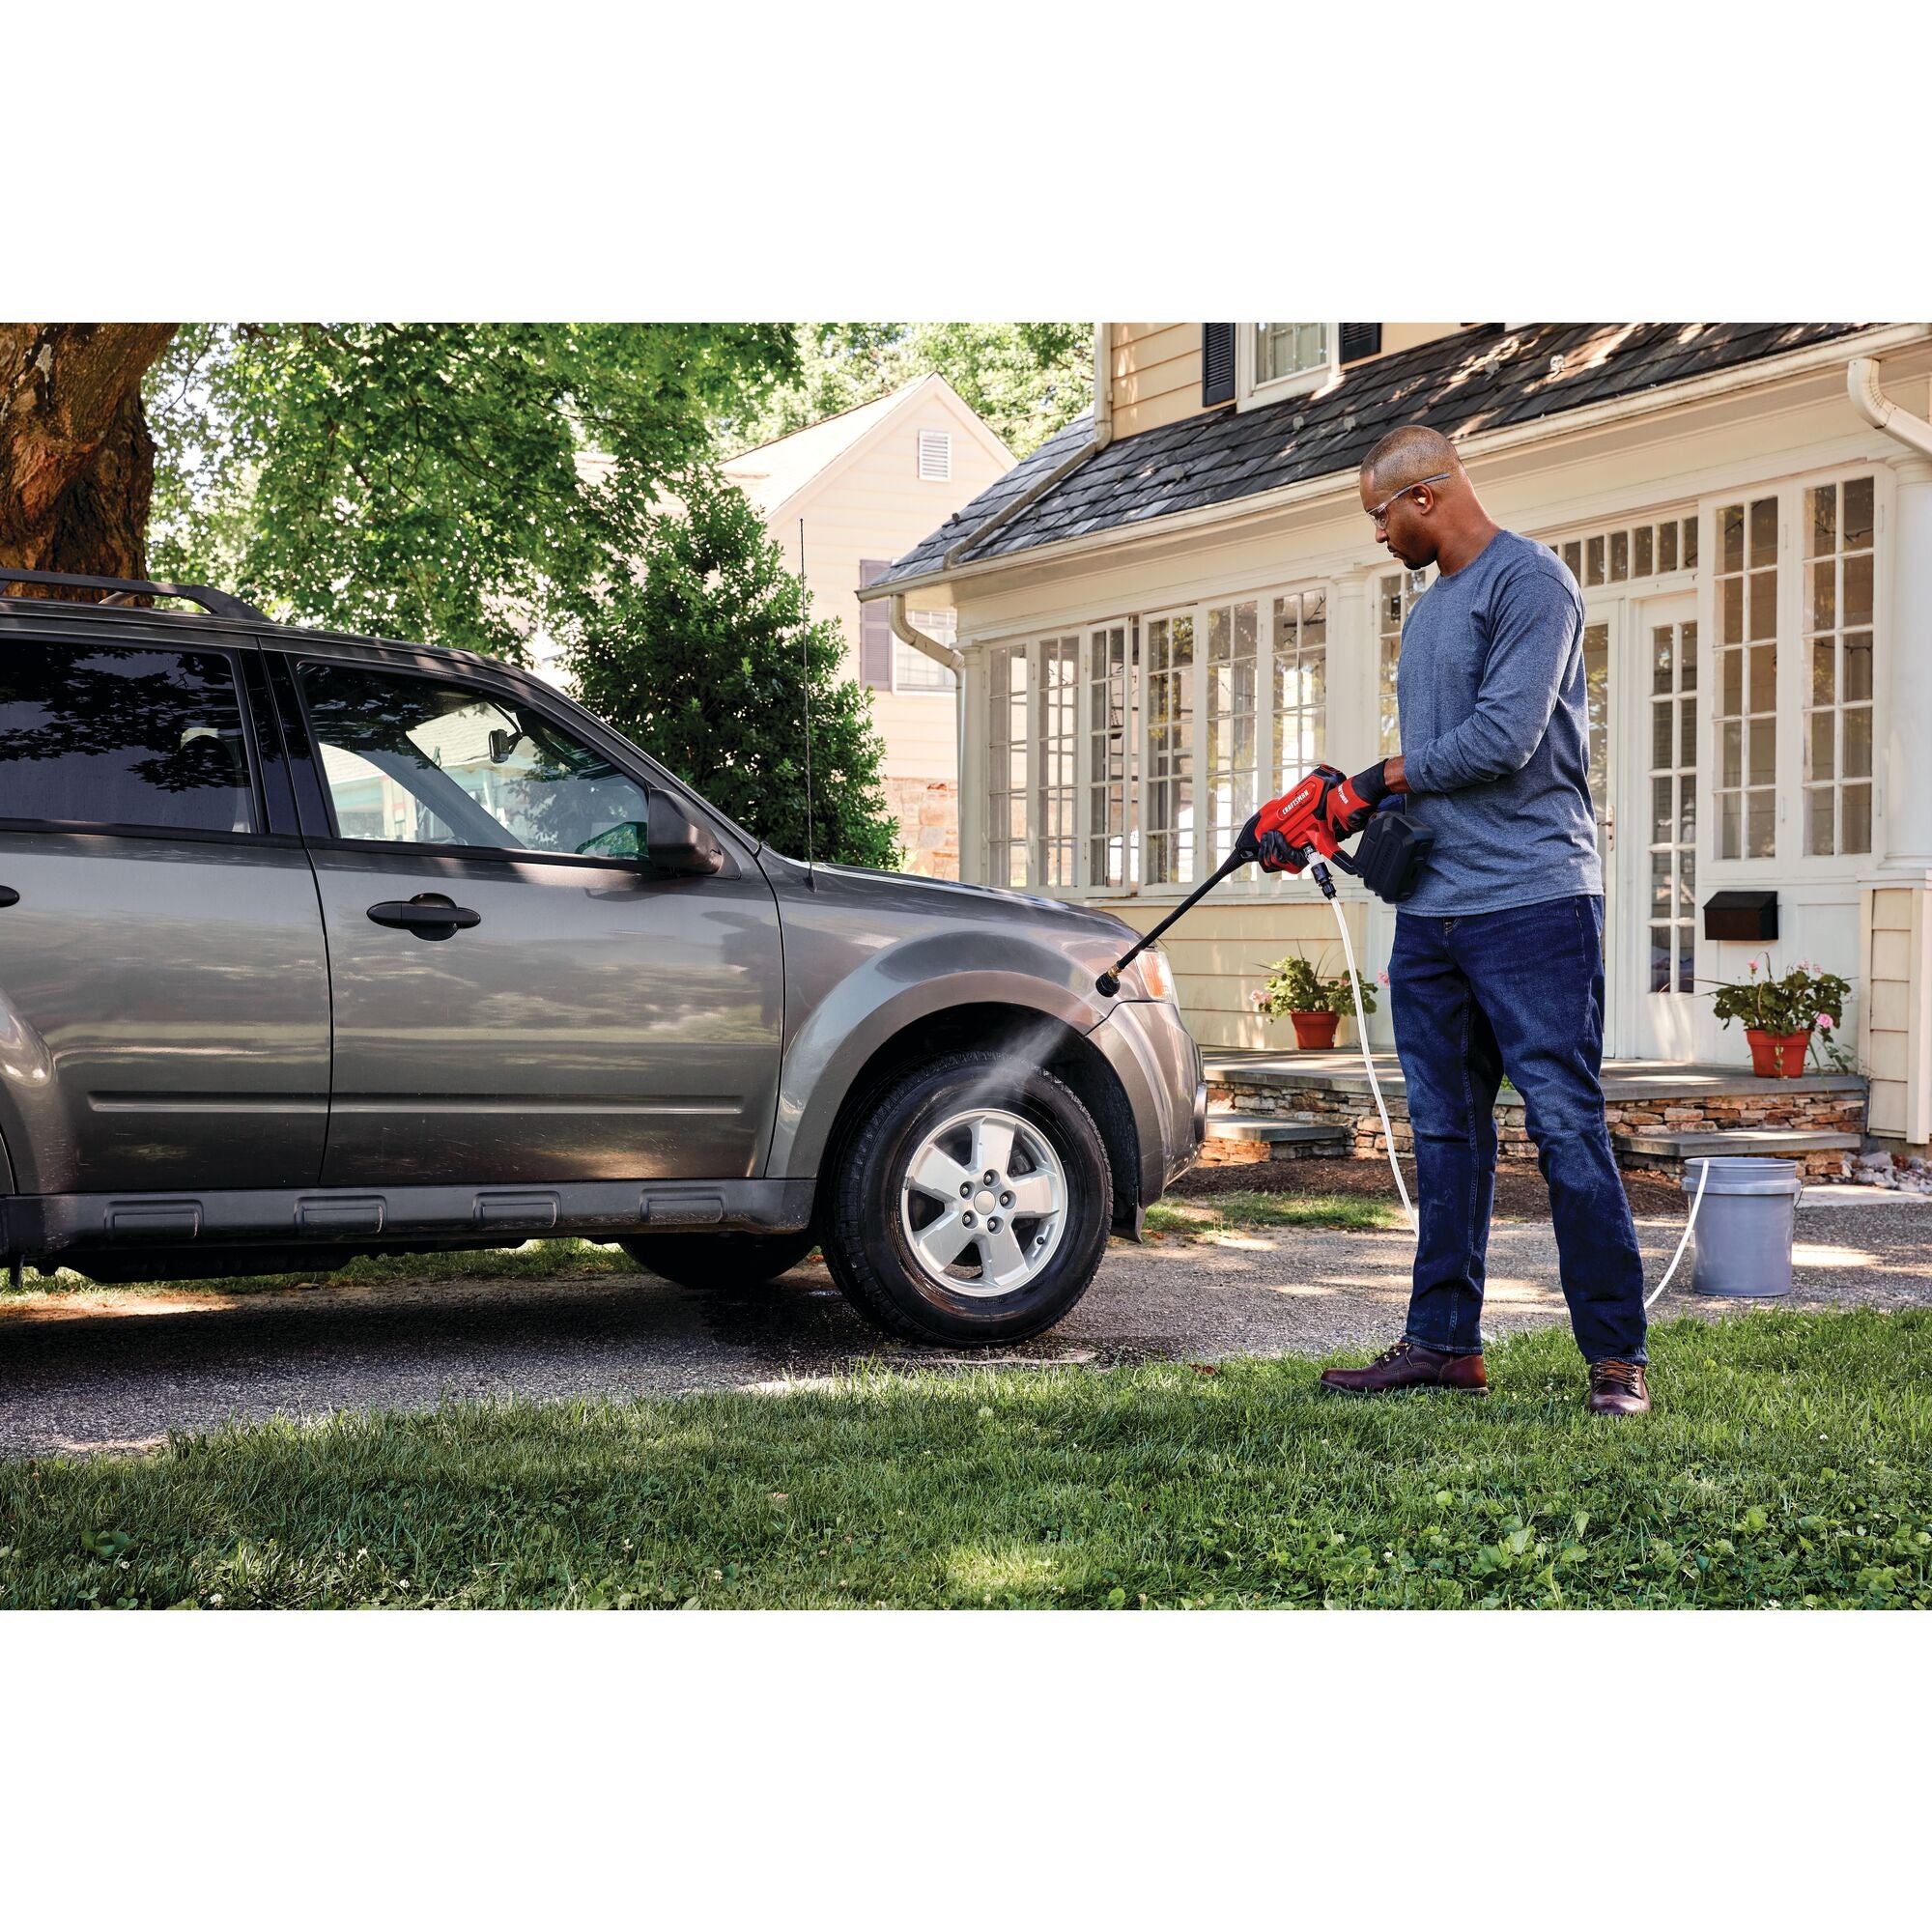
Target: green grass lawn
1790	1463
1213	1213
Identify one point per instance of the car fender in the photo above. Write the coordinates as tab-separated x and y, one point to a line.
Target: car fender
893	988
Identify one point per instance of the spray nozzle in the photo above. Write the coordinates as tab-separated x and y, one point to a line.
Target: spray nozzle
1107	984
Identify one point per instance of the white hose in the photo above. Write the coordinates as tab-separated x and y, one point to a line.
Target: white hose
1388	1138
1704	1175
1368	1065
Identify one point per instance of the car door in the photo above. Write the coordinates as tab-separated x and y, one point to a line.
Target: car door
581	1016
163	993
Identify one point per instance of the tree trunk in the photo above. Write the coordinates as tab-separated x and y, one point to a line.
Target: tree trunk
76	462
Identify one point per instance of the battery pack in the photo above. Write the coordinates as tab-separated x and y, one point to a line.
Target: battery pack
1392	854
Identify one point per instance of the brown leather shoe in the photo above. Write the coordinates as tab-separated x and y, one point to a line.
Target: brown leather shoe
1409	1365
1617	1388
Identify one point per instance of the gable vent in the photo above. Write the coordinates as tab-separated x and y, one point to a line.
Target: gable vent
935	456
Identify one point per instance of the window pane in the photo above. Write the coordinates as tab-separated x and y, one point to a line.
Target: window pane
1734	683
1666	547
1690	543
1824	603
1859	589
1824	672
1687	653
1659	883
1660	959
1573	560
1686	883
1640	563
1660	734
1620	556
1663	652
1593	561
1728	815
1818	822
1764	532
1731	755
1686	953
1763	604
1823	731
1760	825
1857	830
1858	742
1858	532
1824	520
1662	818
410	759
1686	736
1858	666
112	735
1686	815
1764	751
1731	537
1764	677
1731	592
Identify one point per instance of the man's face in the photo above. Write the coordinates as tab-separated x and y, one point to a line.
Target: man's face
1403	522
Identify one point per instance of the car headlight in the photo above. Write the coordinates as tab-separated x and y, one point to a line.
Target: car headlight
1156	975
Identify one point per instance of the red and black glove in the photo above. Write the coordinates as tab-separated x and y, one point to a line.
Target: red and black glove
1271	849
1348	806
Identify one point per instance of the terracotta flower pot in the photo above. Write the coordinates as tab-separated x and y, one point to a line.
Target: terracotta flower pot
1315	1030
1777	1056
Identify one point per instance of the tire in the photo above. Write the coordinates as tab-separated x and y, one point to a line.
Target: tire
720	1260
886	1227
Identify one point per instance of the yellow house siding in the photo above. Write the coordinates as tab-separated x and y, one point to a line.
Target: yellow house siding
1156	373
1399	335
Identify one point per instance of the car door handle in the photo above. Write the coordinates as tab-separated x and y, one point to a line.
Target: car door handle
9	896
429	916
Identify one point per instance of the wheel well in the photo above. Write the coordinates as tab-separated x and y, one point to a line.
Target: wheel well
1035	1037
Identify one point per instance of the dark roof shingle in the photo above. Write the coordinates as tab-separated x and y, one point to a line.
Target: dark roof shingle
1475	379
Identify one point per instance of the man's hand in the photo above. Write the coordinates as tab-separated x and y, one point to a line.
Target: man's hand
1348	806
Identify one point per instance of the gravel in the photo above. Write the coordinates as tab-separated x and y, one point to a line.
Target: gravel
82	1372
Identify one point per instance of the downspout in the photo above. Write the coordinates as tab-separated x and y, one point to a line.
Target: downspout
1871	403
1102	436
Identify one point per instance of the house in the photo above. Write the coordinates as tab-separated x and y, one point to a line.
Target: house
854	491
1175	606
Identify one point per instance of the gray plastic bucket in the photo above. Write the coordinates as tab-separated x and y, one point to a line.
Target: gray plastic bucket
1745	1225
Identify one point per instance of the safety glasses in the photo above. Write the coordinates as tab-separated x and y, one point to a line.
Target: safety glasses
1380	513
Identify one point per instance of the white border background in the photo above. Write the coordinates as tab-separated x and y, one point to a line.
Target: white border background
582	161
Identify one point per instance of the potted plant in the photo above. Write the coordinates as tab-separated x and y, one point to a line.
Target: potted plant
1315	1005
1780	1014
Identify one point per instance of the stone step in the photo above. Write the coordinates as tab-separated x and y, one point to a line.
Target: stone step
1773	1141
1280	1133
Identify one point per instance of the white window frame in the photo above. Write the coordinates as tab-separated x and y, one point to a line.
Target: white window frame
1249	394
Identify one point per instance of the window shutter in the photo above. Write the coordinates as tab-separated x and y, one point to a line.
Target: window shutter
1359	339
1217	363
935	456
875	632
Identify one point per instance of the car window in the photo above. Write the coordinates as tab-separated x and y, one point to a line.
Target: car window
112	734
415	761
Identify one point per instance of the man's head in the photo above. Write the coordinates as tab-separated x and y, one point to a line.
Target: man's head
1414	486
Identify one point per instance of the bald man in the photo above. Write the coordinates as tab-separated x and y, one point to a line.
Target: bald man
1497	965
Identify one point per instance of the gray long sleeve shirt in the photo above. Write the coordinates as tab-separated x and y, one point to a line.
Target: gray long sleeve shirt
1495	734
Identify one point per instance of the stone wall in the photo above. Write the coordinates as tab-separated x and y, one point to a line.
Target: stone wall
1353	1116
929	817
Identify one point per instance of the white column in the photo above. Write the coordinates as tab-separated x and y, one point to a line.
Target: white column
973	780
1907	701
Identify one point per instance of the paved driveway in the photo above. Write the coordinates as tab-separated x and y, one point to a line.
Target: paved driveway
87	1373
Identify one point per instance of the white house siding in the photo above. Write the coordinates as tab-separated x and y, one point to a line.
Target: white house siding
1768	442
871	503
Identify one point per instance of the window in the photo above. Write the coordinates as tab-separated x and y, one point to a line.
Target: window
1746	668
1299	640
1396	596
912	669
1059	726
1232	769
1167	797
935	456
1008	738
1630	556
1837	607
1112	855
409	760
109	734
1673	807
1286	350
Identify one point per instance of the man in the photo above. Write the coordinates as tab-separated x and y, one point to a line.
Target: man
1498	964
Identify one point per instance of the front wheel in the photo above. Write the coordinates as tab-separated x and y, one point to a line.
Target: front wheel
971	1203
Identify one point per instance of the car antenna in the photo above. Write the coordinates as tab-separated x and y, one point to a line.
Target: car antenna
805	666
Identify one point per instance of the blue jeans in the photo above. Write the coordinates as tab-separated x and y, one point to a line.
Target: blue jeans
1519	992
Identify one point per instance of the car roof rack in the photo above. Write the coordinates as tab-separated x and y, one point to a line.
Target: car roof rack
216	602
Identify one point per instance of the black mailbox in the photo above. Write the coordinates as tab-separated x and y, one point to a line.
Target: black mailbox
1740	915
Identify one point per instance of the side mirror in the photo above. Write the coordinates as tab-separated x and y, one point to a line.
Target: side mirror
503	743
674	843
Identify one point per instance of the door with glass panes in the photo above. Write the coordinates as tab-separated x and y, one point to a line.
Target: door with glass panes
1603	625
1658	866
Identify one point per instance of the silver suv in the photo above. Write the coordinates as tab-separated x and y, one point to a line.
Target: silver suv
313	945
